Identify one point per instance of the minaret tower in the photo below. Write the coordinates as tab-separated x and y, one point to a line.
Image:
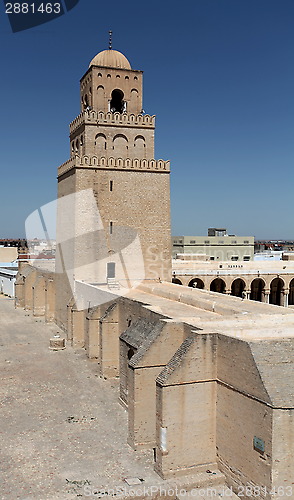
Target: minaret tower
112	89
112	153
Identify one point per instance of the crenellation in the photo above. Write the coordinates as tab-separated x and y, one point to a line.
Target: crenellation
96	162
93	117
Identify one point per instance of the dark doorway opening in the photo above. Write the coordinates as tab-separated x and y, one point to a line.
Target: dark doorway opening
117	103
196	283
110	269
277	287
238	287
291	293
218	285
257	289
177	281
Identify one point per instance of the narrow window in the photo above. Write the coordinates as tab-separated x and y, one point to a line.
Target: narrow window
86	101
110	185
110	227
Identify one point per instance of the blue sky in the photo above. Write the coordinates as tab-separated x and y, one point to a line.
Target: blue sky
218	74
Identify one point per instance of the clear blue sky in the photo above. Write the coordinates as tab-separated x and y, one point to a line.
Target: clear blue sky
218	74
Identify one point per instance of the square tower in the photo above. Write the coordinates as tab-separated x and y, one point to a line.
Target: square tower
112	157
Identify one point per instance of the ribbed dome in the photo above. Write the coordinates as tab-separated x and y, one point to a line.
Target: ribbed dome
110	59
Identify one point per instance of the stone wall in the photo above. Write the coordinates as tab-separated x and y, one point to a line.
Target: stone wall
35	291
204	400
186	418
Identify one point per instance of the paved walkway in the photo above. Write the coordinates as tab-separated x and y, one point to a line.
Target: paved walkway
61	426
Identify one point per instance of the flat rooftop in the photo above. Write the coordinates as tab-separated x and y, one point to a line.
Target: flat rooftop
215	312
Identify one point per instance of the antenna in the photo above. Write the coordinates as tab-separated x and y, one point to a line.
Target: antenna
110	40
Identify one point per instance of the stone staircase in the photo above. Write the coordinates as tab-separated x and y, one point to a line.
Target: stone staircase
112	283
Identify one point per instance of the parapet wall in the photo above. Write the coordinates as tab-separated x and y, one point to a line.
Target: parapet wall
35	291
101	118
97	162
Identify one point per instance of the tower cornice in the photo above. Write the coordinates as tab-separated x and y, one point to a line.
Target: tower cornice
112	119
103	163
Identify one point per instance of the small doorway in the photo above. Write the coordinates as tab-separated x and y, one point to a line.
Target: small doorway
110	270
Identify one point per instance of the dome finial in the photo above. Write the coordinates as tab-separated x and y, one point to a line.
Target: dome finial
110	40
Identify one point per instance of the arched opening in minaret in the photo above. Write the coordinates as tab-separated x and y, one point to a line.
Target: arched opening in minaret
86	102
117	104
140	147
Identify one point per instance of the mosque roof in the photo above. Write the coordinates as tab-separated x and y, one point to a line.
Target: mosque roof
110	59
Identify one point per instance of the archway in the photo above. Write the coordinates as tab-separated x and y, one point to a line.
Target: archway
291	293
196	283
117	103
177	281
140	147
238	287
276	289
257	289
120	145
100	144
218	285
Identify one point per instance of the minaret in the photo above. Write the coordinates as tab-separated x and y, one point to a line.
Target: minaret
112	154
113	90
